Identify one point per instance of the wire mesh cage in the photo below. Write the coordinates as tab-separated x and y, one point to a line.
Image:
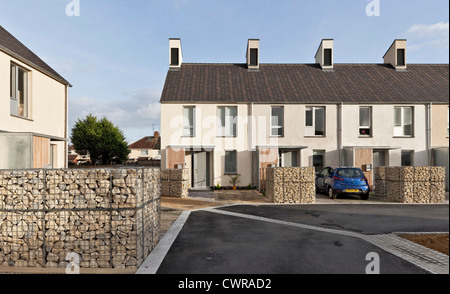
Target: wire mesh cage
103	216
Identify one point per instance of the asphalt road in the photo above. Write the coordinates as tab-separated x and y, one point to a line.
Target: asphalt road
217	243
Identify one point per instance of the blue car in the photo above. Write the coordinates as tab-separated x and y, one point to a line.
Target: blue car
342	180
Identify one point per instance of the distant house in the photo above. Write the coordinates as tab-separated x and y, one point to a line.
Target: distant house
146	148
33	109
76	159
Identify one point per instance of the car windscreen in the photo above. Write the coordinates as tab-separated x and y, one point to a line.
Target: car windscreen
350	173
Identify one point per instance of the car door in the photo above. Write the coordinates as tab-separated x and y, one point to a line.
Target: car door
321	179
327	178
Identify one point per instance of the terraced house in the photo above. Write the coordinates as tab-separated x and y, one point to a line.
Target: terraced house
226	119
33	109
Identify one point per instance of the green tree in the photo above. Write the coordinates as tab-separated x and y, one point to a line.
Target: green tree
104	142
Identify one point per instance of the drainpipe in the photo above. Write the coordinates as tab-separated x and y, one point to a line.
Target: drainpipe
428	134
66	128
250	141
340	135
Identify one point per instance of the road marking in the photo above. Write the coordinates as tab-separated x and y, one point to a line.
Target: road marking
421	256
152	263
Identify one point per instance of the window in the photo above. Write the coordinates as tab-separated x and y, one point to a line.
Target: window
53	154
365	121
318	159
277	122
189	121
380	158
403	122
407	158
288	159
174	59
401	57
227	121
19	91
326	172
327	59
350	173
253	57
315	121
230	162
144	151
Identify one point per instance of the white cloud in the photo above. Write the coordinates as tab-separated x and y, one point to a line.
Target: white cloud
429	36
440	29
150	111
180	3
138	110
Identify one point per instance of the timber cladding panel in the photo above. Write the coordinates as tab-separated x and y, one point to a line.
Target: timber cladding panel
364	156
109	218
175	157
423	184
41	152
267	158
291	185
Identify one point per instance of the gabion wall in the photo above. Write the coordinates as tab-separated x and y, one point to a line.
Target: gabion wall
420	184
291	185
109	218
175	183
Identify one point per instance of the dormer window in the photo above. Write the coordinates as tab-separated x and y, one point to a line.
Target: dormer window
327	58
324	55
396	55
401	57
174	60
253	57
175	54
253	54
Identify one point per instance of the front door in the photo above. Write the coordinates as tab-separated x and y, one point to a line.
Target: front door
363	157
200	168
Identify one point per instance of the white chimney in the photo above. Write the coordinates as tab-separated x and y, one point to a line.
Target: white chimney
175	54
324	55
253	54
396	55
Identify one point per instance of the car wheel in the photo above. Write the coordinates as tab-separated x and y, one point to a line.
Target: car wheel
331	193
365	196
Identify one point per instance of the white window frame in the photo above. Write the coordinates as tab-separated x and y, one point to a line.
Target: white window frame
361	127
235	165
14	88
279	126
399	127
228	127
447	122
188	126
310	131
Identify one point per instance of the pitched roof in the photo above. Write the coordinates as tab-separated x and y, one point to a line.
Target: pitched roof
147	143
306	83
10	45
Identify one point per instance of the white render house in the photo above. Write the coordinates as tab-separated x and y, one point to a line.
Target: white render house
219	120
33	109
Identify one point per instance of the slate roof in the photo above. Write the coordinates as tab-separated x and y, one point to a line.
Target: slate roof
307	83
10	45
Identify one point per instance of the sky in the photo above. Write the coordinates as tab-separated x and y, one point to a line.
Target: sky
116	53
